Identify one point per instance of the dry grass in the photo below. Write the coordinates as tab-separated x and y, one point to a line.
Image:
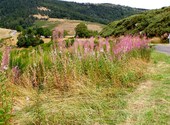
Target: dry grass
68	25
83	103
4	33
8	39
60	88
46	40
39	16
43	9
149	103
156	40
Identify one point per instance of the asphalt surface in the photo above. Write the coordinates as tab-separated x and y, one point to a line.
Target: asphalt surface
163	48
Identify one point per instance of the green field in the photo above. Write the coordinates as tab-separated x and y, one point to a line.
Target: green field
46	24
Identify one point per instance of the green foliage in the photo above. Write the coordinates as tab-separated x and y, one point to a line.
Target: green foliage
43	32
65	80
70	80
68	65
31	37
28	40
21	61
45	23
5	102
150	23
39	115
83	32
69	42
93	33
90	12
16	13
19	28
65	33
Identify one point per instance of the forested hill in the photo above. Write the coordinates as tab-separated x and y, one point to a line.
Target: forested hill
152	23
15	13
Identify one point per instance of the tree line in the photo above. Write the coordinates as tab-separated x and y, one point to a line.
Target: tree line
15	13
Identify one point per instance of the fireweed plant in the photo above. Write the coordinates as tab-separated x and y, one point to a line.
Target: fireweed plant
80	68
98	59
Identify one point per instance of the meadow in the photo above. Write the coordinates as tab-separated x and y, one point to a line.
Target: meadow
71	82
67	25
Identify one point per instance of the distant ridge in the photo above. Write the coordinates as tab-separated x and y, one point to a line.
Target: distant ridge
15	13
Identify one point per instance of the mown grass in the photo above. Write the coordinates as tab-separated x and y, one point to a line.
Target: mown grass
159	114
158	97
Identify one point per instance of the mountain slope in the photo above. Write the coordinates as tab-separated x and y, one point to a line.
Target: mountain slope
14	13
152	23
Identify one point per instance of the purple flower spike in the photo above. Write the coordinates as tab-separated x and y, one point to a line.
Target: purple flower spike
5	59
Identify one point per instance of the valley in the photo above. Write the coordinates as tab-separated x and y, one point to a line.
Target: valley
68	63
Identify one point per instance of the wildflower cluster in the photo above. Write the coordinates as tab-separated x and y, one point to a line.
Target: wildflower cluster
92	46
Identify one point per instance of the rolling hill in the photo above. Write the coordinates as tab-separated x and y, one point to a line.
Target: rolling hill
152	23
16	13
67	25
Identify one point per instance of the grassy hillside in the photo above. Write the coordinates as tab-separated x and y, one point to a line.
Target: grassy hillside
65	24
152	23
16	13
51	23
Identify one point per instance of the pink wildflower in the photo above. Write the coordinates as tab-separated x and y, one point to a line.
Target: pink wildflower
16	73
5	59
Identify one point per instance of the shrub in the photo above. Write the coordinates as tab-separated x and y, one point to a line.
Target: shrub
43	32
28	40
81	30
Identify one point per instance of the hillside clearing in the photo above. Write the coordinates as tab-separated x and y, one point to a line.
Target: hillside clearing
68	25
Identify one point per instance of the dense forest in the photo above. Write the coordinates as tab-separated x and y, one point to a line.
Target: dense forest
16	13
151	23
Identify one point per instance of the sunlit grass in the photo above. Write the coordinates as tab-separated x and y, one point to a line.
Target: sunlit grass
58	87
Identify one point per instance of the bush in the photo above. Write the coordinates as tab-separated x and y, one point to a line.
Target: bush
31	37
43	32
83	32
28	40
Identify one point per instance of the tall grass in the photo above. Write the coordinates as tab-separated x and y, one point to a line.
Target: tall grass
99	62
6	101
87	69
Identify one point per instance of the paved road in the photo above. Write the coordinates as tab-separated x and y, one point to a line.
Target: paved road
163	48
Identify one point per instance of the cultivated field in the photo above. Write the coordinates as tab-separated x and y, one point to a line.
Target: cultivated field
68	25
